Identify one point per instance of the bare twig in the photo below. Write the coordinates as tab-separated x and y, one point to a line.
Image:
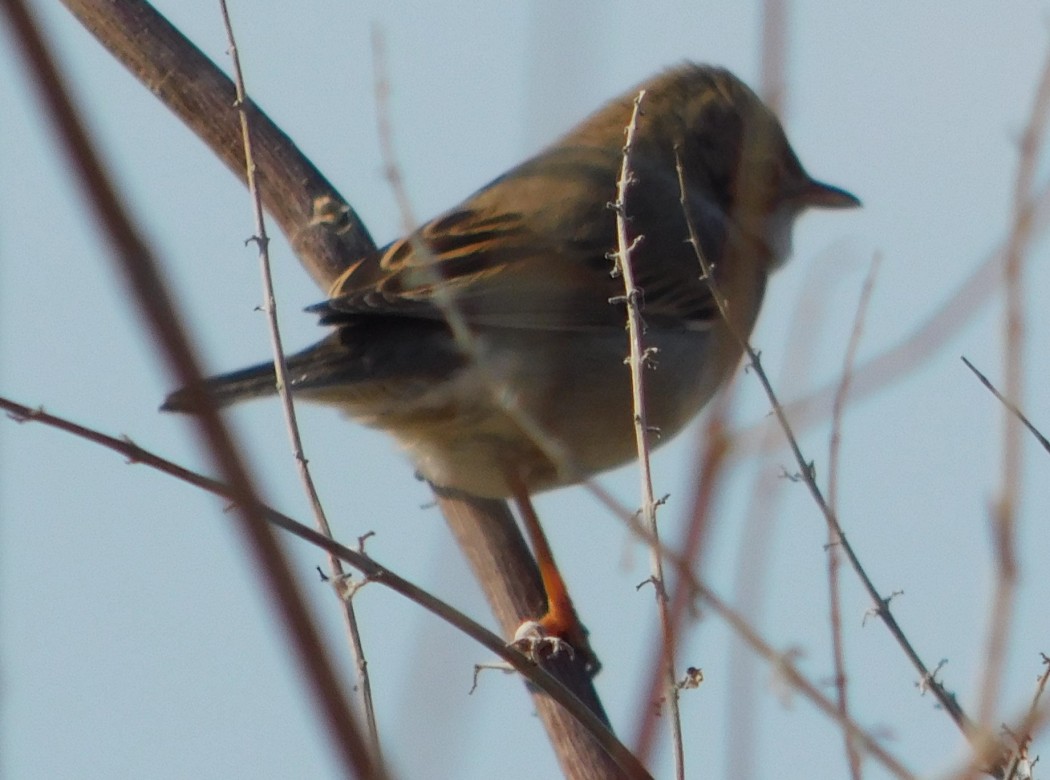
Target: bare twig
262	241
834	593
1009	405
752	583
135	260
373	572
639	359
807	476
713	444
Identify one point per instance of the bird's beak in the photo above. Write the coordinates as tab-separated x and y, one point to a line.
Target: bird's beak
817	194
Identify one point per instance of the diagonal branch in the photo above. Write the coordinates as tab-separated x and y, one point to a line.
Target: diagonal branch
558	694
324	231
806	473
1010	405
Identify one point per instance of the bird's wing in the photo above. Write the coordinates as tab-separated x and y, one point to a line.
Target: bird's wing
548	268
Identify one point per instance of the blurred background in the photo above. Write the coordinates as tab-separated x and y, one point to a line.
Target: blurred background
134	640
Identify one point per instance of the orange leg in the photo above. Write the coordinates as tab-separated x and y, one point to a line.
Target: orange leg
561	620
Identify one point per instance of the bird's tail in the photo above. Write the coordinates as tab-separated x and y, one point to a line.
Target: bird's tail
225	389
313	367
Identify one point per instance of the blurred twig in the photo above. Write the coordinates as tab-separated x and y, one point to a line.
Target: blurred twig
773	79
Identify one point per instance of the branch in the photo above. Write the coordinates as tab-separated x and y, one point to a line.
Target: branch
1010	405
944	698
262	240
326	234
558	695
639	358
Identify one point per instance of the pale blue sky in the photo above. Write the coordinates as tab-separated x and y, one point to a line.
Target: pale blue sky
133	638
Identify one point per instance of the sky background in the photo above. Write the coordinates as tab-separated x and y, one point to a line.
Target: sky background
134	639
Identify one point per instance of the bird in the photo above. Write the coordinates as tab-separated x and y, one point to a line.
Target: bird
491	342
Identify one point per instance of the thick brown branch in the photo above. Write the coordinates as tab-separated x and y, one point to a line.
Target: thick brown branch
500	558
326	234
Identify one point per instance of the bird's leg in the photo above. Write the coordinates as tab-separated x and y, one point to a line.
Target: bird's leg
560	621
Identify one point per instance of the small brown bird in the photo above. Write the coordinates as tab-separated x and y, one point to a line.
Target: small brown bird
489	342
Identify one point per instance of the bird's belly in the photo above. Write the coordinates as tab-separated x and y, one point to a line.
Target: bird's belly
551	410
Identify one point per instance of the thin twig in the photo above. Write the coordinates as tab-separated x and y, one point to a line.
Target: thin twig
834	591
806	474
427	267
262	241
1009	405
754	570
135	260
373	572
639	359
712	445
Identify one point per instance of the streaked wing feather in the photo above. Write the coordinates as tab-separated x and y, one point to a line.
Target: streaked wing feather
501	270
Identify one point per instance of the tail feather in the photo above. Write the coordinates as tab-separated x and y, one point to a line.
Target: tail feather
223	390
375	350
319	365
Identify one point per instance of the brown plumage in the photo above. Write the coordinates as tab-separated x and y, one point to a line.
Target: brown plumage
538	387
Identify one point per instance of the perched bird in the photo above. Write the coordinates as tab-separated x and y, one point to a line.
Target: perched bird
490	342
